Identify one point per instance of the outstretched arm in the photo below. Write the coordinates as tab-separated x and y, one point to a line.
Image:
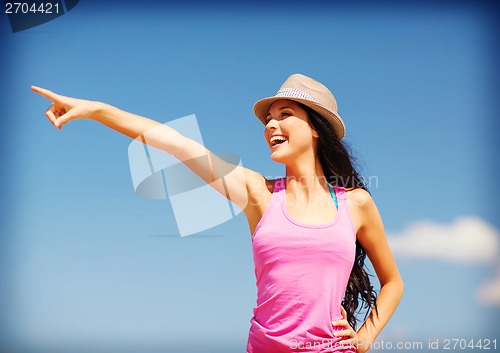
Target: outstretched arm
201	161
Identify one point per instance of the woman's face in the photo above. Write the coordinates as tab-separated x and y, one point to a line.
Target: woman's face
288	132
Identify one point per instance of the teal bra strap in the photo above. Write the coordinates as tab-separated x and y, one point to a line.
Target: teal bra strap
333	196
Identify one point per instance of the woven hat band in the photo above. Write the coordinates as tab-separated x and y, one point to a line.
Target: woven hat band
294	93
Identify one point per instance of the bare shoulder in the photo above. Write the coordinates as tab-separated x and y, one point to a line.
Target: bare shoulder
361	206
359	198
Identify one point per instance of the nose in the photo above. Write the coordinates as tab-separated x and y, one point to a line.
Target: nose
272	125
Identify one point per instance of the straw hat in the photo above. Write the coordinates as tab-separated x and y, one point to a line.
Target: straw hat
309	92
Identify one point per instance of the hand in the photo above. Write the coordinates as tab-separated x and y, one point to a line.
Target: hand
64	109
350	336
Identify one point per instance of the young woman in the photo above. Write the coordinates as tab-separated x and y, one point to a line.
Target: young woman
311	230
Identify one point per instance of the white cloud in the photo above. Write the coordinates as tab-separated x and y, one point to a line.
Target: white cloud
467	239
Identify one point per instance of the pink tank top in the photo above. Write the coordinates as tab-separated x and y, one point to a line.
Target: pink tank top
302	272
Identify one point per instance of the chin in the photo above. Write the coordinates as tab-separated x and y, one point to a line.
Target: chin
279	158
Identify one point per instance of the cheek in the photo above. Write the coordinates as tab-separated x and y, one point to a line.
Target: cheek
298	130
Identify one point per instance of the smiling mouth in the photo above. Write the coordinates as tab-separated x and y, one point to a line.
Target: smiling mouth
277	140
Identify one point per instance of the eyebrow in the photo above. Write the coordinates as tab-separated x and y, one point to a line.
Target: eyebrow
283	108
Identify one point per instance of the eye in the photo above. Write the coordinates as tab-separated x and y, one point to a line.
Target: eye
285	114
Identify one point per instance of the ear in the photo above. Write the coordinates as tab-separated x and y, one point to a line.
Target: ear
315	133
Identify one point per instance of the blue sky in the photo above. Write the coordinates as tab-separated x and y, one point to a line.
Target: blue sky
88	265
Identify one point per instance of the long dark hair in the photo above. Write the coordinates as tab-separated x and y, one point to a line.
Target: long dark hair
337	163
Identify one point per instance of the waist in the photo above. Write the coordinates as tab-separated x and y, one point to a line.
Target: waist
283	316
304	338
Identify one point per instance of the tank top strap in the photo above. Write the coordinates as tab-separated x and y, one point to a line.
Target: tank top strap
341	193
279	185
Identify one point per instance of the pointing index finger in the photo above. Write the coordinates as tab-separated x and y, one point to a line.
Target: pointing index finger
46	93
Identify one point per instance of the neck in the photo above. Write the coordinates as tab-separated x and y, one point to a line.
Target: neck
305	177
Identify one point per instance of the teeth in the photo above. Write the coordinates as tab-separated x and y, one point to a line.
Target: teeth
276	139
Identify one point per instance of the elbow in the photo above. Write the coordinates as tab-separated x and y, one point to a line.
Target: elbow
399	287
395	286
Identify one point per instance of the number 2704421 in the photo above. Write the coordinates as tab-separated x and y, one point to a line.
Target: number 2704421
24	7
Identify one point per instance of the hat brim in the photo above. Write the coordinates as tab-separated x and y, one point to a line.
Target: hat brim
261	109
